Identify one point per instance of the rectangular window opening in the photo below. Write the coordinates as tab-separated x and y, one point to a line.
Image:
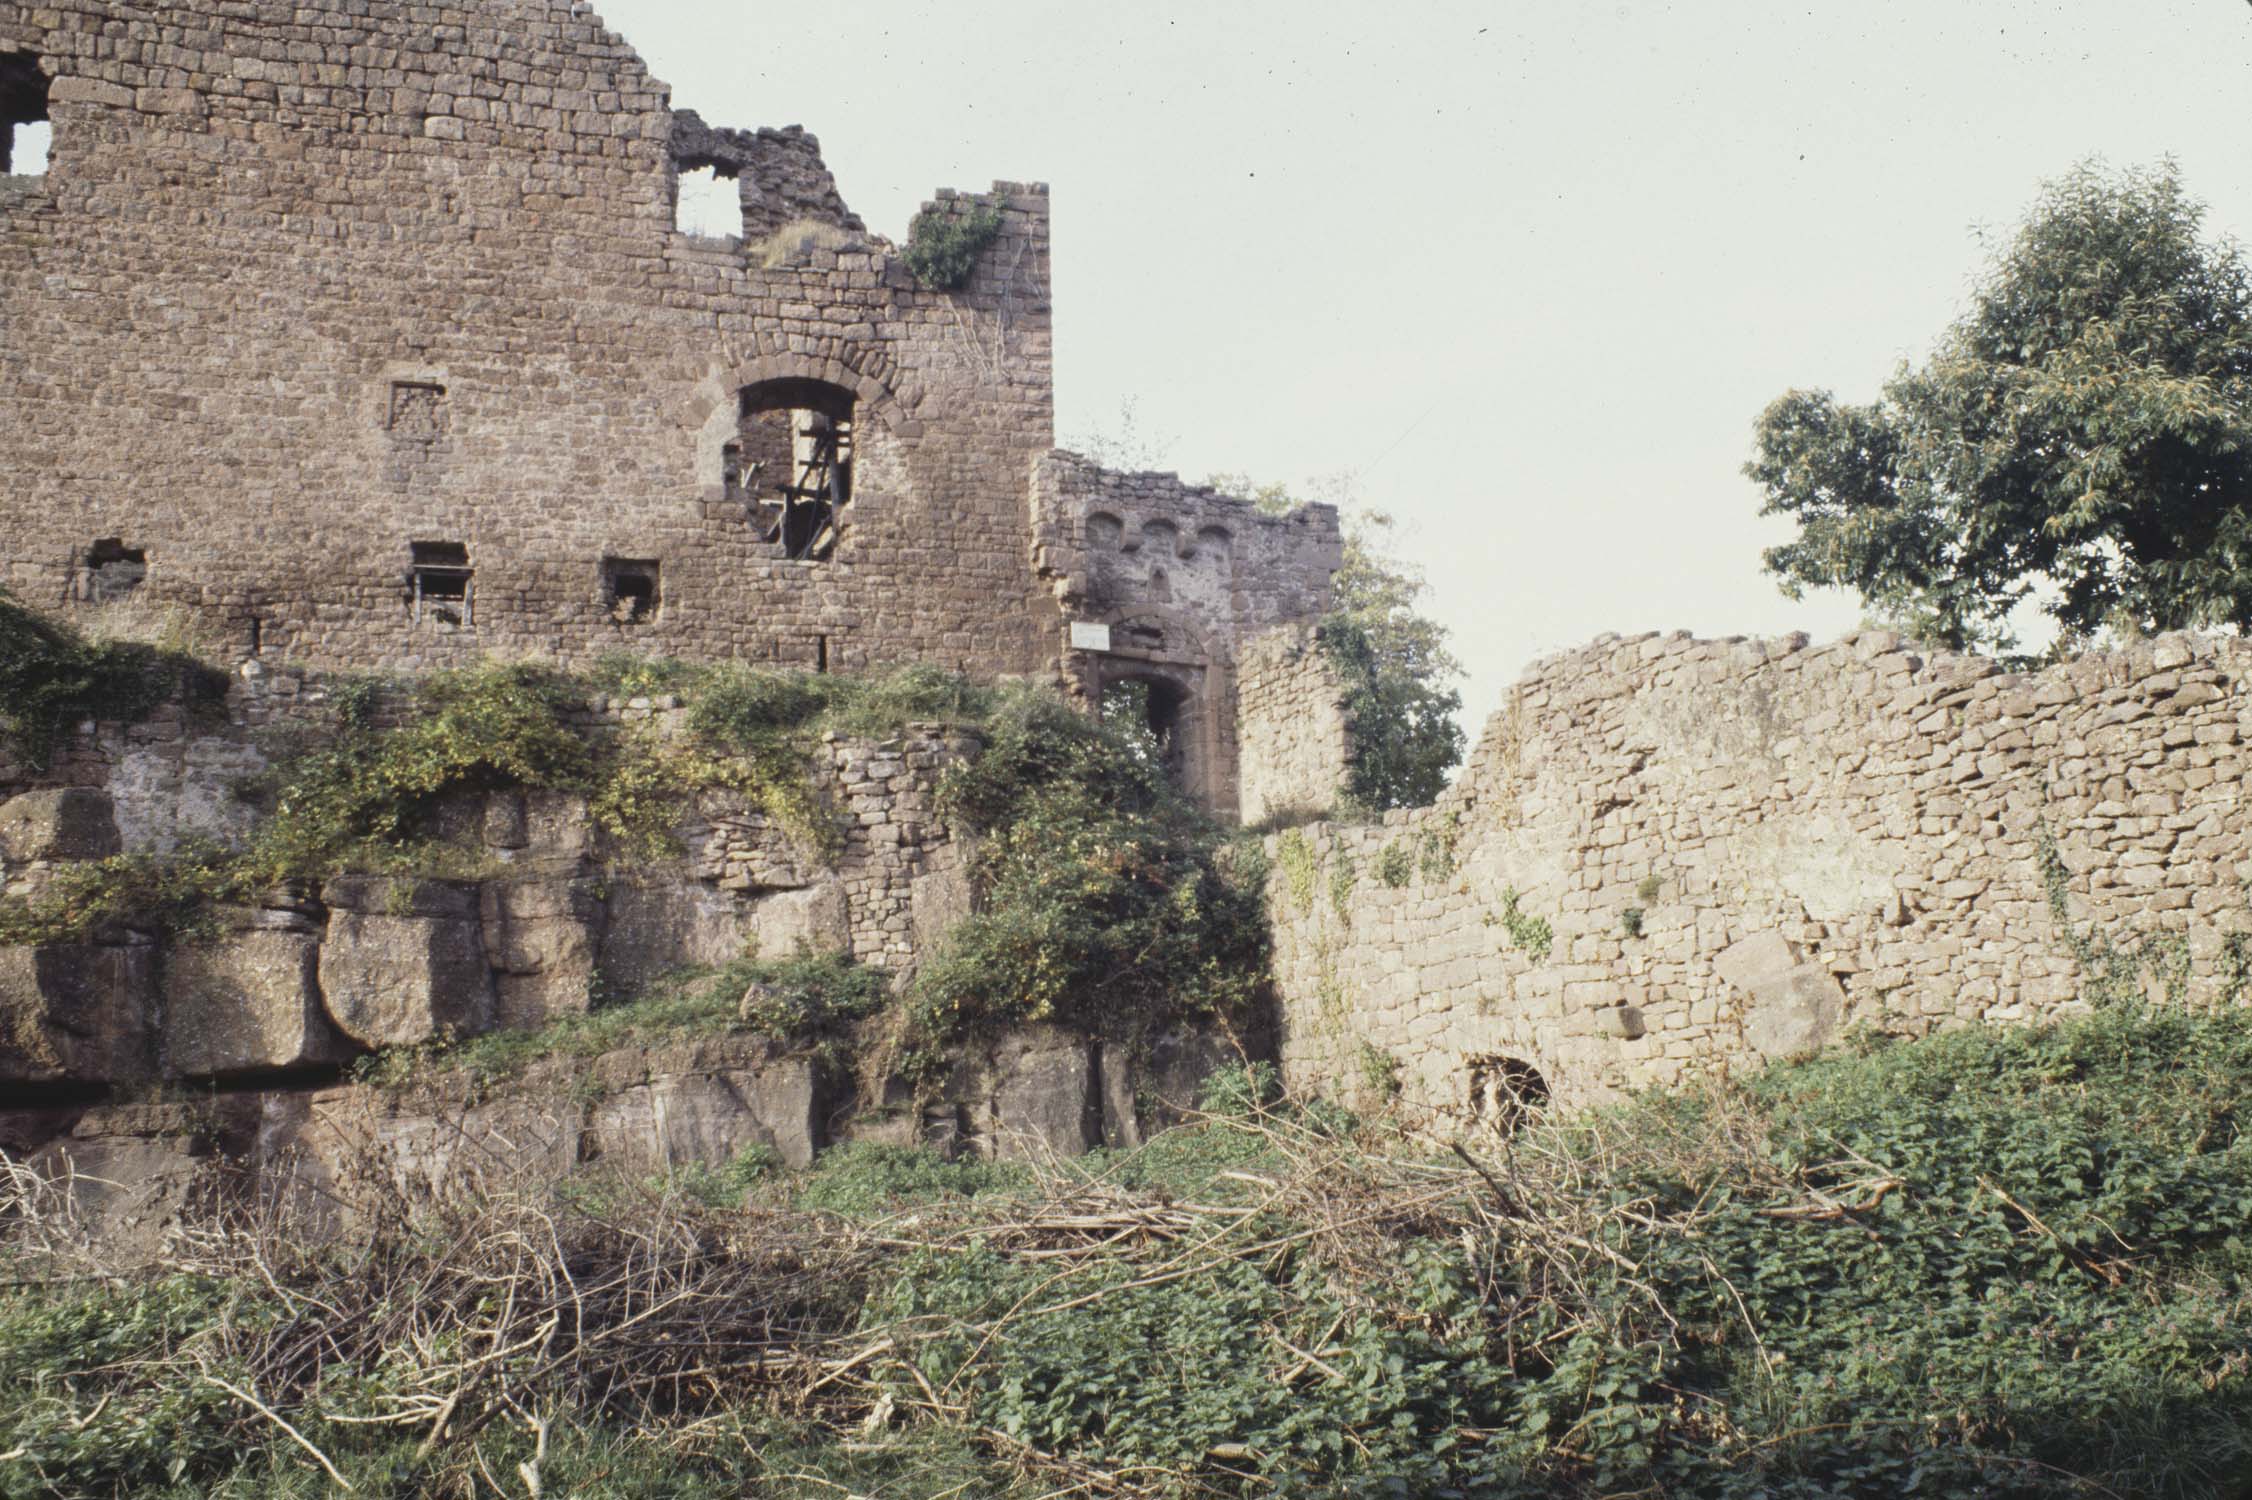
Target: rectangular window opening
707	202
442	584
26	138
629	589
114	570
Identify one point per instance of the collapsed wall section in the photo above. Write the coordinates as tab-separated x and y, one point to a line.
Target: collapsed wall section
1668	853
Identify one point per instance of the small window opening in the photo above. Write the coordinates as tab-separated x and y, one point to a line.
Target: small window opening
629	590
1503	1092
820	653
442	584
1148	713
26	138
115	570
706	203
791	460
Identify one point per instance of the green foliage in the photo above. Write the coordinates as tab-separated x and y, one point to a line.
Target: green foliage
728	1184
52	676
1393	660
1241	1090
1395	865
804	1001
944	242
1379	1070
866	1179
1647	887
1531	933
1108	906
1344	873
1294	856
1630	921
2083	435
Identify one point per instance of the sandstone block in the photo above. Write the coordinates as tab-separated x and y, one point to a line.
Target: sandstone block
1038	1097
659	924
674	1120
540	938
72	822
404	961
76	1013
812	920
246	1001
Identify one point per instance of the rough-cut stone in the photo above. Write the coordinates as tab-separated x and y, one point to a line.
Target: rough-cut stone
710	1117
404	961
131	1175
657	924
1041	1097
71	822
246	1001
540	937
76	1013
1859	832
812	920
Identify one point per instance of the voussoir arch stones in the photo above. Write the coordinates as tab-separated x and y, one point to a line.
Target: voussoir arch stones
870	393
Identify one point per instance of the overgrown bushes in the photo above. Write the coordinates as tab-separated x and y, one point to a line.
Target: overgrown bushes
1105	903
1993	1263
943	243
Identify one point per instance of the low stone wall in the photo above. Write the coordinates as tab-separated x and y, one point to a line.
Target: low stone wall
1668	853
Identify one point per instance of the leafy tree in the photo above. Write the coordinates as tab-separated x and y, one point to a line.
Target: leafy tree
1394	660
2082	435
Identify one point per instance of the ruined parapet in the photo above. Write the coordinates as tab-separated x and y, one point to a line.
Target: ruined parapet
779	175
1294	739
1667	854
1161	585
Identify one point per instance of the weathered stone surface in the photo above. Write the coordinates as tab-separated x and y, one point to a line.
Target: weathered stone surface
657	924
1040	1097
245	1001
404	961
1812	837
940	898
77	1013
129	1175
60	823
540	937
813	920
675	1118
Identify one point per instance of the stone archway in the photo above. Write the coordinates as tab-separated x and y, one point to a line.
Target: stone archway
1187	692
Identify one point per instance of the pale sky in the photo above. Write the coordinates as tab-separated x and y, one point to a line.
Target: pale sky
1530	268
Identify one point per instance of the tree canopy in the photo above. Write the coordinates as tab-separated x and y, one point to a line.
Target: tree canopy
2081	436
1394	659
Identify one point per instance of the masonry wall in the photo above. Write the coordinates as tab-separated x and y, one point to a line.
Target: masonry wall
1293	734
1182	578
306	284
1667	853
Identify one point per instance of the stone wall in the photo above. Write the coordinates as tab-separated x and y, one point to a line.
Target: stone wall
318	973
1668	853
1178	578
1295	739
305	286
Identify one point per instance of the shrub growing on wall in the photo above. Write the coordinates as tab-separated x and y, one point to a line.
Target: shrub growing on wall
1106	907
51	675
943	243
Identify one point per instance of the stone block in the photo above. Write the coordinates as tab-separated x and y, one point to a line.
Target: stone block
246	1001
939	898
1789	1007
540	937
675	1119
1038	1097
812	920
404	961
76	1013
72	822
656	925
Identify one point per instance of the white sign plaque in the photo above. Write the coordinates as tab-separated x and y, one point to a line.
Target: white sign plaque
1086	636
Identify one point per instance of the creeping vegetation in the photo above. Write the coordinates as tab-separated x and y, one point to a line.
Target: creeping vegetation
51	676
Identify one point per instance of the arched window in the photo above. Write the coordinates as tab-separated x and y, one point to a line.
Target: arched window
25	135
791	462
